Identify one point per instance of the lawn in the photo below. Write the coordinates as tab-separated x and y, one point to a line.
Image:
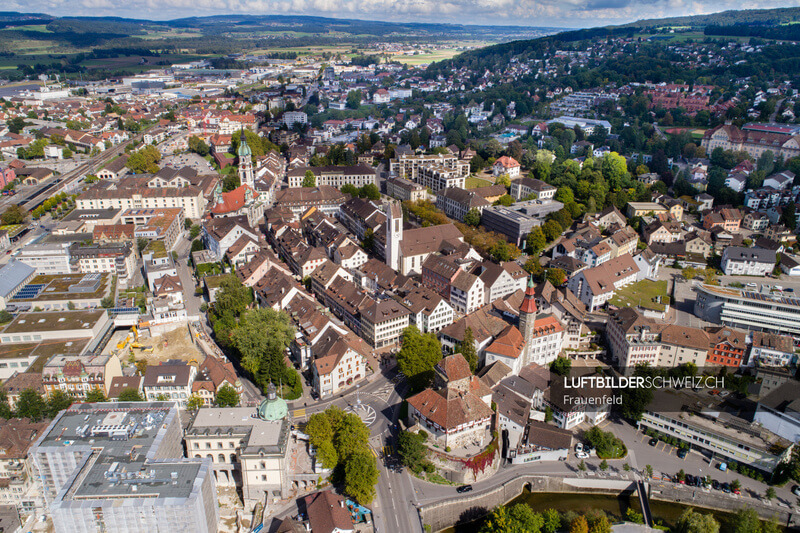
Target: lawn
473	183
424	59
644	294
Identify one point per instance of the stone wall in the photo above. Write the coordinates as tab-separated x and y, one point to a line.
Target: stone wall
472	506
463	509
721	501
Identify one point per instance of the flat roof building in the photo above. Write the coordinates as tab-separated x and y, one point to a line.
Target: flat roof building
748	310
120	467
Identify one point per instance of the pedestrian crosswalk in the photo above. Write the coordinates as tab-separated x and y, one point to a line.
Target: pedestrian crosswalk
299	413
388	450
374	453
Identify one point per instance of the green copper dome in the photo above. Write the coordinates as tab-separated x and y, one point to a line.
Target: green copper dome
272	408
244	149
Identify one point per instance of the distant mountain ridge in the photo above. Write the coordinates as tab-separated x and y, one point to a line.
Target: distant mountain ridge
216	23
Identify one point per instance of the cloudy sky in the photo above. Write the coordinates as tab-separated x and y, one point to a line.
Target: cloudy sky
561	13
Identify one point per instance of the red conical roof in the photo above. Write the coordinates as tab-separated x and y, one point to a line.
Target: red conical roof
529	302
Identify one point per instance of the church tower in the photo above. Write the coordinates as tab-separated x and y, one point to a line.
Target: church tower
245	163
527	317
394	234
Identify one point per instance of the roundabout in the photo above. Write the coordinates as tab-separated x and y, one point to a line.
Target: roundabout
364	411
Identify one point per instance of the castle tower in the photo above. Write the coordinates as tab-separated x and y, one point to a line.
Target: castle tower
527	316
394	234
245	163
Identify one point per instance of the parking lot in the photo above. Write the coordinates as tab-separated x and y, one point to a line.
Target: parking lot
188	160
664	460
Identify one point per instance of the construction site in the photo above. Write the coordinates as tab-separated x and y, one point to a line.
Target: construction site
134	345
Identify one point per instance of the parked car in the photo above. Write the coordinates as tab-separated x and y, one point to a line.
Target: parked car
582	455
464	488
579	448
715	484
682	453
796	490
653	441
689	479
726	488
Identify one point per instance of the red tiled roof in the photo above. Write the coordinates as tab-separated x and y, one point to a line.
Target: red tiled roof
233	200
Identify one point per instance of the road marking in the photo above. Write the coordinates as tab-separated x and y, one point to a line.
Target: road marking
299	413
374	453
388	450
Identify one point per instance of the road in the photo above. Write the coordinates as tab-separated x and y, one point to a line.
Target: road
68	180
662	458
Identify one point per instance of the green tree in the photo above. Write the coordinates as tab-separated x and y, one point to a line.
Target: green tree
472	218
746	521
354	99
412	450
195	402
693	522
5	316
198	146
261	338
227	397
418	355
342	444
144	160
770	526
30	404
561	366
96	395
130	395
14	214
536	241
107	302
552	230
309	179
517	518
194	231
467	349
604	465
789	217
579	525
16	124
370	191
505	200
556	276
736	485
552	521
233	297
58	401
360	477
504	180
501	251
600	524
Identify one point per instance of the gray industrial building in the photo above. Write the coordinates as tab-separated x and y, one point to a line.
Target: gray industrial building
120	467
517	220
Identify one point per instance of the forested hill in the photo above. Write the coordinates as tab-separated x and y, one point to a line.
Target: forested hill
781	24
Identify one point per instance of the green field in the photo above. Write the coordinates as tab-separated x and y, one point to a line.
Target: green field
473	183
38	28
644	294
423	59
